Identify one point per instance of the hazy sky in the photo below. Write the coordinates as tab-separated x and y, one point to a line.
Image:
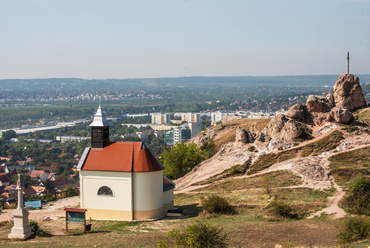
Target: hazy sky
158	38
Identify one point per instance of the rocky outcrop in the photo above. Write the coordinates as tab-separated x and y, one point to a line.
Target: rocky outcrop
261	137
243	136
348	93
297	112
341	115
319	110
320	103
319	118
282	128
291	130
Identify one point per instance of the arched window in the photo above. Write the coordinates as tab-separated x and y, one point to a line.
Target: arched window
104	190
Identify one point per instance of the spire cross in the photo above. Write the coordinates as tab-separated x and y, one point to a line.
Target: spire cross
347	62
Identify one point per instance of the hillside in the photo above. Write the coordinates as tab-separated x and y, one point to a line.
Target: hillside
321	127
286	178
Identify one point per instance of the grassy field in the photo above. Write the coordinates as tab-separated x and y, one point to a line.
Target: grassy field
349	165
247	228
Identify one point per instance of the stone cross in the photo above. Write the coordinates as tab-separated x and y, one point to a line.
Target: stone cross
21	229
347	62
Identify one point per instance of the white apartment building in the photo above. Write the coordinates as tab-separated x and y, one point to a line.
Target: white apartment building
158	118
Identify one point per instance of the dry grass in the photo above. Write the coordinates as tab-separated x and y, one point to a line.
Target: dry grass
277	179
363	114
248	228
327	143
236	170
247	124
349	165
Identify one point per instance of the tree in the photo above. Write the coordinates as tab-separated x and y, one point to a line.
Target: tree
7	135
181	159
48	185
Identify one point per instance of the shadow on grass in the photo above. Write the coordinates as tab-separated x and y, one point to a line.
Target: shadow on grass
75	233
189	211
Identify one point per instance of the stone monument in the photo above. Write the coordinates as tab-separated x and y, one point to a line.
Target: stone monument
21	229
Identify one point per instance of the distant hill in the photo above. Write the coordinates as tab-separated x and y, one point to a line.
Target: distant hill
78	84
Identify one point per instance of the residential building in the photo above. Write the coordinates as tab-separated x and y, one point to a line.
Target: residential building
216	117
63	139
39	175
10	168
191	117
158	118
178	135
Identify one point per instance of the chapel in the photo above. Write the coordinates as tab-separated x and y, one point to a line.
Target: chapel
121	180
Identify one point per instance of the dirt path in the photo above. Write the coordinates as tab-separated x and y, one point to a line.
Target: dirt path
54	210
333	208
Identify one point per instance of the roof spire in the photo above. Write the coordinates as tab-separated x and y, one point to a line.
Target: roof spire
99	118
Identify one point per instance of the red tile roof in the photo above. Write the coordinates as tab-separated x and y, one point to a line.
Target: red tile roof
36	173
29	191
122	156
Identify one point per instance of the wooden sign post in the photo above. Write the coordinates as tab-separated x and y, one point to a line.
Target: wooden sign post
75	215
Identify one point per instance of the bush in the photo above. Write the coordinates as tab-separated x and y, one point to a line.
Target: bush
37	231
354	229
34	226
10	206
280	210
266	185
358	199
197	235
218	205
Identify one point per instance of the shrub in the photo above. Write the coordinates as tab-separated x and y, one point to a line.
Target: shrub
358	199
252	149
197	235
218	205
10	206
280	210
266	184
34	226
353	229
37	231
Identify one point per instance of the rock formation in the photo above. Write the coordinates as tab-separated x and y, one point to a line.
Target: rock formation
297	112
282	128
348	93
341	115
320	103
321	109
243	136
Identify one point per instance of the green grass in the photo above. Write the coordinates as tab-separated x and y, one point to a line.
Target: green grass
349	165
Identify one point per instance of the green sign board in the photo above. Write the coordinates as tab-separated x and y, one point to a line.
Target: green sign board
76	217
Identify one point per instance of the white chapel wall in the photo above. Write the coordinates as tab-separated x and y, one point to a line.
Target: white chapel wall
148	190
118	182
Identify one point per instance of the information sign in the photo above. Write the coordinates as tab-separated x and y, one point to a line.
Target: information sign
33	204
75	217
